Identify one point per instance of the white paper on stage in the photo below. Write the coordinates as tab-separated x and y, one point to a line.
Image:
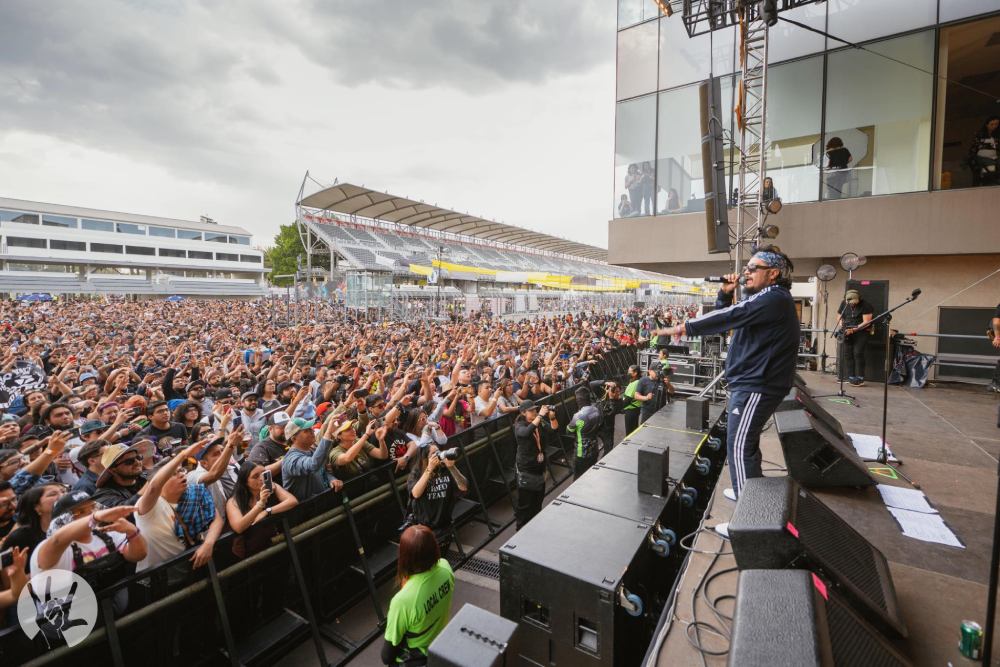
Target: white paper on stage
867	446
905	499
925	527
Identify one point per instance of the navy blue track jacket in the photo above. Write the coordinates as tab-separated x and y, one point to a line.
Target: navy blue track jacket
762	353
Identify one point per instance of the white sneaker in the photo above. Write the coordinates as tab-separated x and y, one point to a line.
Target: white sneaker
723	530
729	494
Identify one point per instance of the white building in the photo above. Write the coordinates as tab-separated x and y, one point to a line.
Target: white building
71	250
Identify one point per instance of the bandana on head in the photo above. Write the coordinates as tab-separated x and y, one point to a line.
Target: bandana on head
772	259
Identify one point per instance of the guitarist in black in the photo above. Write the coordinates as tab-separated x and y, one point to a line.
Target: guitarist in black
854	312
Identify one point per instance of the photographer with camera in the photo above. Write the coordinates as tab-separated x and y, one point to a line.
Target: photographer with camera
530	458
434	485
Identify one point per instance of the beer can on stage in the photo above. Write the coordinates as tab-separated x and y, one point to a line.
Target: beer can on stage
971	644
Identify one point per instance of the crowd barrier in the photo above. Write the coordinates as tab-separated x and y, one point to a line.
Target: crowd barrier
326	555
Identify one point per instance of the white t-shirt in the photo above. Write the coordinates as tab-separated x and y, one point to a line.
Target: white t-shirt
92	550
157	526
482	405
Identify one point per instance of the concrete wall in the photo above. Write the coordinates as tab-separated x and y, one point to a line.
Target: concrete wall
922	223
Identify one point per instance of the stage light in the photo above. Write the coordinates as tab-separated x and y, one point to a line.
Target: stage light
826	273
665	7
769	12
768	231
850	261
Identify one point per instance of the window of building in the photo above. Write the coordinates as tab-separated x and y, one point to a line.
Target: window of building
139	250
241	240
637	60
970	54
97	225
57	244
188	234
686	59
21	242
59	221
171	252
251	259
960	9
106	247
680	186
878	119
226	257
860	21
635	148
794	114
631	12
198	254
163	232
786	41
47	268
19	216
129	228
216	237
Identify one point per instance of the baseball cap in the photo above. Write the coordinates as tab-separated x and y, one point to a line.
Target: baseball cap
89	450
92	425
294	426
247	394
525	405
287	384
279	417
87	375
225	392
192	384
69	501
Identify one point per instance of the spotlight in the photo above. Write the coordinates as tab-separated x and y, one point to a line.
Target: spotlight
769	231
769	12
665	7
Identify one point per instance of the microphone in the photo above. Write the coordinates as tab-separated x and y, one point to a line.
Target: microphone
722	279
915	293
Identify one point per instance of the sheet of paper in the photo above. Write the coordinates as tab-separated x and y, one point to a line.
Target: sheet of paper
925	527
867	446
905	499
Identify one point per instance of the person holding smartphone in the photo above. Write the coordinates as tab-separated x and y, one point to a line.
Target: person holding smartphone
256	497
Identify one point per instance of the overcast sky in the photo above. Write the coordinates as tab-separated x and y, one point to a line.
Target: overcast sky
183	108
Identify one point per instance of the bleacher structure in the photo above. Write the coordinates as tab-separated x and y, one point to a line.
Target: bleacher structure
364	231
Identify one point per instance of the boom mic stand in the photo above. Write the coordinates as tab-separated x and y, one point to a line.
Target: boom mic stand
883	452
840	353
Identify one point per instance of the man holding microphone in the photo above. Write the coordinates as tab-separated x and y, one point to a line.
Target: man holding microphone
760	364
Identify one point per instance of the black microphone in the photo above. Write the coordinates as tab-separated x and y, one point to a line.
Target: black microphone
722	279
915	293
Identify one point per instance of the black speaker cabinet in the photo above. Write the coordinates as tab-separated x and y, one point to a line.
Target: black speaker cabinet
697	413
815	455
790	617
653	469
875	292
473	637
573	578
778	524
800	399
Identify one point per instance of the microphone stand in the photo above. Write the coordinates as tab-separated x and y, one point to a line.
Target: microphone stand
841	352
883	453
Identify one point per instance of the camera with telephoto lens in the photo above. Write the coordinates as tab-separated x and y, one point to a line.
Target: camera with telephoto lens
447	454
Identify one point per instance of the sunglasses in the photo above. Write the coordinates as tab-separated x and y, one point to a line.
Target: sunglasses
129	461
750	268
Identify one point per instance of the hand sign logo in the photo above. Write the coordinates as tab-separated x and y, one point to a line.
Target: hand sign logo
60	605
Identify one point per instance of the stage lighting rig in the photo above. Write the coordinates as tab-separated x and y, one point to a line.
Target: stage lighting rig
665	7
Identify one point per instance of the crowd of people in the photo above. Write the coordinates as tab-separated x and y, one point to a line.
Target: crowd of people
134	432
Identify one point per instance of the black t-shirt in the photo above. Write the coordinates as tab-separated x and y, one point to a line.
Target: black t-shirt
433	508
647	386
854	315
266	452
396	442
175	430
838	157
24	537
527	448
5	528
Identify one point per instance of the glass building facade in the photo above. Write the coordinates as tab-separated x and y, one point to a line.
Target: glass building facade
894	117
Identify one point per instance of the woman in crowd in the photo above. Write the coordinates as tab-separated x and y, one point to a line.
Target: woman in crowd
434	485
419	611
252	502
188	413
34	514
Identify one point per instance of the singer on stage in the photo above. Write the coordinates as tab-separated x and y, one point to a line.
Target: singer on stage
760	364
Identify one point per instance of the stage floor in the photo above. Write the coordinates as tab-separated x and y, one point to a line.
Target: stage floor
947	438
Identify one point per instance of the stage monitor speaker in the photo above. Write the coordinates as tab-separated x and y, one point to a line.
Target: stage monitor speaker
778	524
790	617
654	469
817	456
875	292
713	167
473	637
800	399
697	413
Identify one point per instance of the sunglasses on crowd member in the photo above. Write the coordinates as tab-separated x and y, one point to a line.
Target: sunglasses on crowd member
128	461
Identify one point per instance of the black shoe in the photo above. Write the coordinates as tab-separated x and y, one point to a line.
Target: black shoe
860	382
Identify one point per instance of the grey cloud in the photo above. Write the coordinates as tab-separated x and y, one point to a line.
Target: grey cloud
472	46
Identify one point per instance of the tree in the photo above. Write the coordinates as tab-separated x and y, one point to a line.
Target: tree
283	255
